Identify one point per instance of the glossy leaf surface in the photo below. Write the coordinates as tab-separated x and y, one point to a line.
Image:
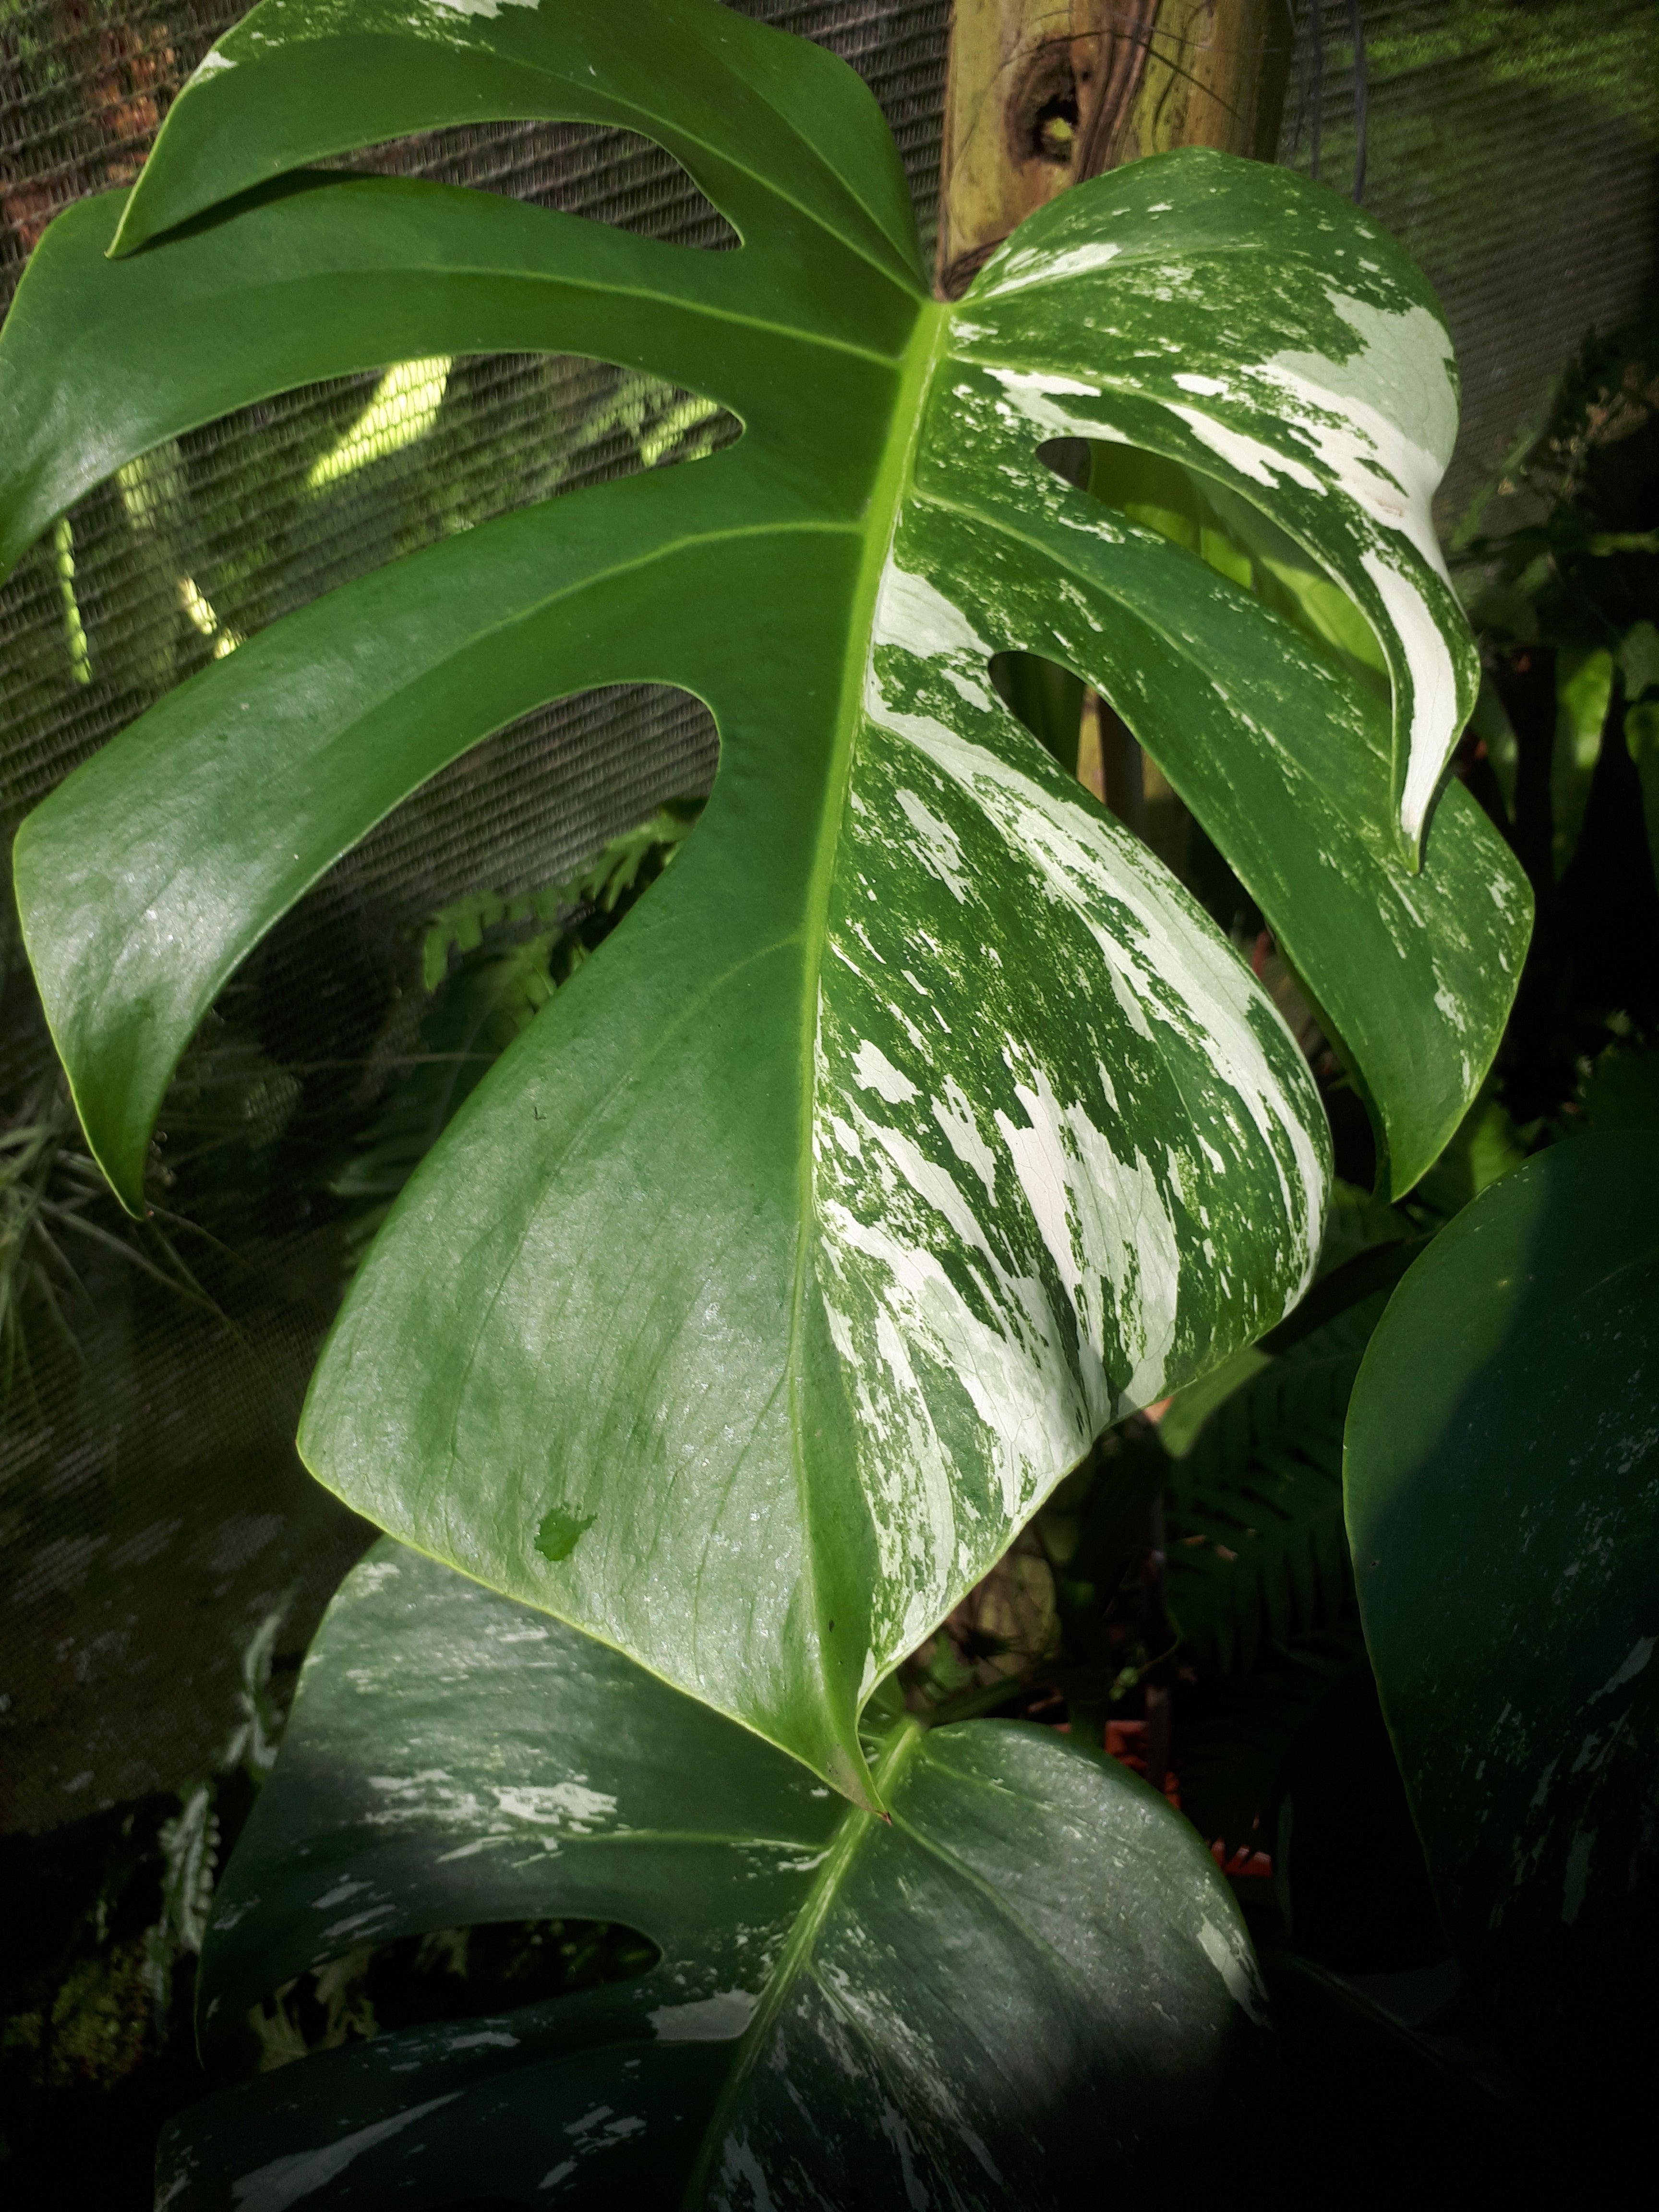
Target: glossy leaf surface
776	131
844	2011
919	1124
1321	374
1502	1503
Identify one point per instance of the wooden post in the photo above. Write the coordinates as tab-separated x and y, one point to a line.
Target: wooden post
1044	93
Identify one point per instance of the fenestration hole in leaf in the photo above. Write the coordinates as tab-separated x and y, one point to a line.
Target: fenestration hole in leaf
1048	698
1090	740
487	961
448	1975
1231	536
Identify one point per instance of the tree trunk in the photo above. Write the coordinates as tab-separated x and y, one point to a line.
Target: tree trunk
1044	93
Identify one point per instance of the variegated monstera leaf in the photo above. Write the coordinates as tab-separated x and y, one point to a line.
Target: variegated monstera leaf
919	1123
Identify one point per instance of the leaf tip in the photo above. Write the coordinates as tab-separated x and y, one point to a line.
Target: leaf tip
129	236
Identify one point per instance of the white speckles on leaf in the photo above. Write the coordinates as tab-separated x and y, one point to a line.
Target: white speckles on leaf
1019	270
1628	1668
913	612
559	1804
1231	1958
1402	366
1261	463
489	8
337	1895
939	848
1034	396
955	1115
1577	1878
718	2018
287	2180
1109	1232
1342	425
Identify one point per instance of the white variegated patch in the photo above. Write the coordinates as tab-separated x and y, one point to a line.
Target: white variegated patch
1027	1226
1343	439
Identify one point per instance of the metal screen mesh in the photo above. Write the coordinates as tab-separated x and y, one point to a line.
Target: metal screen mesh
152	1511
1511	146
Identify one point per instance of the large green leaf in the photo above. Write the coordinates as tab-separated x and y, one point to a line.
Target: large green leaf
918	1125
1338	396
779	133
844	2011
319	274
1503	1500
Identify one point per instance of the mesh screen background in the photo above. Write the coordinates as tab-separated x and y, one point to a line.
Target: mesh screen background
152	1510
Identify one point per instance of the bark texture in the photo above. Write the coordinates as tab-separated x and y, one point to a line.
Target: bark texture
1045	93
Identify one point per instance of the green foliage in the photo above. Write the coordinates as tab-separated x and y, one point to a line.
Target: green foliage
1487	1144
1584	576
1506	1420
830	2006
908	986
1257	1552
1620	1091
741	1292
1564	748
489	999
607	886
54	1206
1582	582
1239	541
489	962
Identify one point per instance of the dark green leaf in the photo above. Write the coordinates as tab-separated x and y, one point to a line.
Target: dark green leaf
1503	1498
844	2011
775	131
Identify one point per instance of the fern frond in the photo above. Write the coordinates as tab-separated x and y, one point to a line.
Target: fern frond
1257	1552
487	980
485	1004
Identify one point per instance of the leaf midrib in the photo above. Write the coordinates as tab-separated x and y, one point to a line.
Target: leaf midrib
894	481
857	1826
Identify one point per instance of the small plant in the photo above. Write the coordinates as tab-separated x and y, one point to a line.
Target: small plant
916	1127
